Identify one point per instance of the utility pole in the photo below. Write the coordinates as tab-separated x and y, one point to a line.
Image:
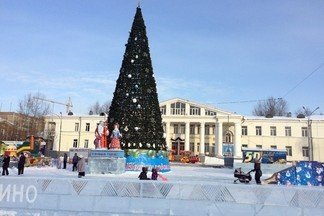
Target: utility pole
309	134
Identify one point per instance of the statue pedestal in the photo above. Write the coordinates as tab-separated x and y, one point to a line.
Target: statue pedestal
103	161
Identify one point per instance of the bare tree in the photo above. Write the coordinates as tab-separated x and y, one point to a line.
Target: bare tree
32	112
97	109
271	107
31	106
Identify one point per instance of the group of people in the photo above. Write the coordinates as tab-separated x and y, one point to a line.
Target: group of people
6	162
102	134
154	175
79	165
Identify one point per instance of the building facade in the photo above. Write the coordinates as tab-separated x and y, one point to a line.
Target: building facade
206	130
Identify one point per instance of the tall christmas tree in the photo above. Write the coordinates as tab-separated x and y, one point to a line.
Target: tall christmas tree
135	104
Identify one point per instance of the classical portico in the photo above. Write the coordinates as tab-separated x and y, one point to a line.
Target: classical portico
201	129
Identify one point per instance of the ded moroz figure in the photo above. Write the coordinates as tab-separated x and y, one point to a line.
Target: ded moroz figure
101	133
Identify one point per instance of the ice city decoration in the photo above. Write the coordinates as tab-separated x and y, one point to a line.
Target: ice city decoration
135	105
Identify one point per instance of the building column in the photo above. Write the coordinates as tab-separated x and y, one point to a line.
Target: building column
237	140
167	135
187	136
219	138
202	138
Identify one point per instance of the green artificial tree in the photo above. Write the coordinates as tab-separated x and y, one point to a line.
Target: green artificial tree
135	104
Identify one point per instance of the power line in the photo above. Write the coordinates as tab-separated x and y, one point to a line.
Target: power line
247	101
321	65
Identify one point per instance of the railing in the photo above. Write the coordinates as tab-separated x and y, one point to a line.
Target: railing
99	196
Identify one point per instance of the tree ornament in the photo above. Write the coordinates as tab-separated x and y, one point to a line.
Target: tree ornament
127	94
132	60
126	129
136	128
129	76
134	100
136	56
139	106
136	86
135	38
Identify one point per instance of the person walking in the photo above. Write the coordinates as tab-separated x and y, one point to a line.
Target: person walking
257	170
5	164
64	160
21	163
75	161
81	166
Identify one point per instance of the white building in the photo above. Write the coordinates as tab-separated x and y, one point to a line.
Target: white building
206	130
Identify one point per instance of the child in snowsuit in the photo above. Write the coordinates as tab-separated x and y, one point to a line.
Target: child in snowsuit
143	174
155	174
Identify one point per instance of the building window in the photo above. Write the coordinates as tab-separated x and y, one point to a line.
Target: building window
206	148
305	152
86	143
163	110
304	132
178	108
228	137
198	147
182	129
258	130
259	146
244	131
192	147
179	129
76	127
210	113
289	150
51	126
176	129
192	129
288	131
273	147
273	131
244	145
213	130
198	129
212	150
87	127
194	110
75	143
207	132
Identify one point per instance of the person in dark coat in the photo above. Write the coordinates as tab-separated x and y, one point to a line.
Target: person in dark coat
257	170
155	174
75	161
143	174
5	164
21	163
64	160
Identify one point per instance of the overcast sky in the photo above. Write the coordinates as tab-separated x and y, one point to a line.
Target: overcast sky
206	51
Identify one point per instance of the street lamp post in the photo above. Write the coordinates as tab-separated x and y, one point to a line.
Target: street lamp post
60	136
309	133
60	132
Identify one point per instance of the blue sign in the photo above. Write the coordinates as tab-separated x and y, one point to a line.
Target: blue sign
267	156
107	153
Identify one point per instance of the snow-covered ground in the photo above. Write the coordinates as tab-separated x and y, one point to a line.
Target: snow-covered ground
179	173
